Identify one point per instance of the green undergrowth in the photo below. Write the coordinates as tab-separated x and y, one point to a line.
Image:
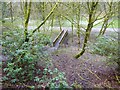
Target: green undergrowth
106	46
22	61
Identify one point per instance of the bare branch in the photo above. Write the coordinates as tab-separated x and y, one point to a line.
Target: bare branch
45	19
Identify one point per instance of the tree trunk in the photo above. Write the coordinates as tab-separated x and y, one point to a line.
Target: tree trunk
26	16
72	24
11	12
89	27
105	27
88	30
52	22
101	29
44	20
3	15
59	20
72	30
78	26
108	13
43	14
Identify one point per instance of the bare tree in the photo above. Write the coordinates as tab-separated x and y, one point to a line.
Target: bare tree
91	6
46	18
110	11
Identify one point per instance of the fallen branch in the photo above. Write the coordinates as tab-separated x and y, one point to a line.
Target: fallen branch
93	74
117	78
85	79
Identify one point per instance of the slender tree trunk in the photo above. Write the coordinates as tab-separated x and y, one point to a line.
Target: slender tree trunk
72	24
72	30
44	20
101	29
89	27
27	16
105	27
108	13
78	24
3	14
59	20
104	22
88	30
52	20
11	12
43	14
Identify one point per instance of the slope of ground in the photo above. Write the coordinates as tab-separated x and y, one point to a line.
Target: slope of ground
89	71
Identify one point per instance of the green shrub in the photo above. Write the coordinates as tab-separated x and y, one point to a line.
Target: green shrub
57	79
42	38
22	56
106	46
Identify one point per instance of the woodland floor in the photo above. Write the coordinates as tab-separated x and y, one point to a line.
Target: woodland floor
89	71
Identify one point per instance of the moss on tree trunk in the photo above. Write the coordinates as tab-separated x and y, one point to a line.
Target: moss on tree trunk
89	27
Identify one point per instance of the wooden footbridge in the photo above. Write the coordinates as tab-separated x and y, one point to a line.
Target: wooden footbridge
61	38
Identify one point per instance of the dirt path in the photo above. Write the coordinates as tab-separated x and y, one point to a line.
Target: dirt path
89	70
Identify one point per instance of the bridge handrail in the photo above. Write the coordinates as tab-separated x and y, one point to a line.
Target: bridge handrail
58	36
64	34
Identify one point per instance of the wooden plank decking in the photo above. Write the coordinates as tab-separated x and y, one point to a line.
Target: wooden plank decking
60	38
